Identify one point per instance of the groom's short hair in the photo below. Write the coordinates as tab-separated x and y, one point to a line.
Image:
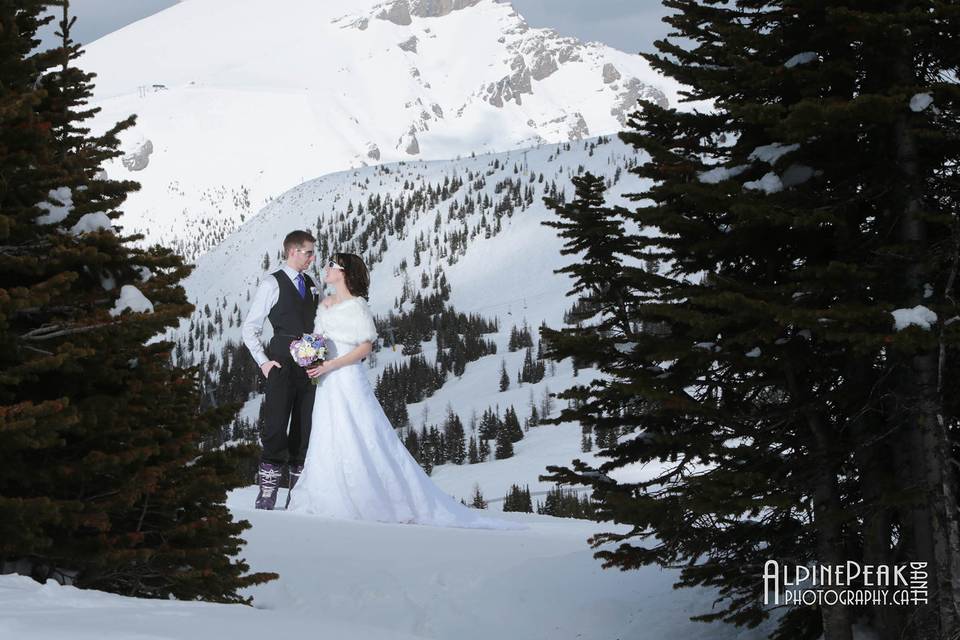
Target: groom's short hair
296	239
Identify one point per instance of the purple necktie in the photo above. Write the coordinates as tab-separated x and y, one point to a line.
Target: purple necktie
301	286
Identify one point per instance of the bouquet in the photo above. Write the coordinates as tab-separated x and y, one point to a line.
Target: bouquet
308	351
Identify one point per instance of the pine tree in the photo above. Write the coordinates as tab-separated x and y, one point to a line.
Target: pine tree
483	450
518	500
504	378
473	453
586	442
511	425
816	199
454	438
504	448
104	483
533	420
478	501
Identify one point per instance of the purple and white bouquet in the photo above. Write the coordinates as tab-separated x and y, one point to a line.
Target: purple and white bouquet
308	351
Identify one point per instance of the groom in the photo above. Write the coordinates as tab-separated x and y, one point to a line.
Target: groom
288	299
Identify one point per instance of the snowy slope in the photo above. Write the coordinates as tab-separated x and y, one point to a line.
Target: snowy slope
508	277
238	100
366	581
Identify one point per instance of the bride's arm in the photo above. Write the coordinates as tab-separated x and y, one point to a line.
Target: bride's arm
358	353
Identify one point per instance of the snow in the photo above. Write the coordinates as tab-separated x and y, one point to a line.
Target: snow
274	98
719	174
92	222
770	153
754	353
372	581
769	183
918	316
797	174
131	298
56	212
800	58
927	290
920	101
509	276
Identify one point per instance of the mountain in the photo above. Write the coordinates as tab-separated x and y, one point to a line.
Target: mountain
238	100
466	231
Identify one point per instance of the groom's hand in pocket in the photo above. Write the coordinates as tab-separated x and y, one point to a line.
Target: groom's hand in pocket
267	366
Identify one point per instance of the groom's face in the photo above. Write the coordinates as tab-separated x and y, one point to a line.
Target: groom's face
302	257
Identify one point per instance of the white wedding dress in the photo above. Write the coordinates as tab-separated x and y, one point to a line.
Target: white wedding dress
356	466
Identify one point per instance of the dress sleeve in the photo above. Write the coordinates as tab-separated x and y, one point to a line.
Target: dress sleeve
366	330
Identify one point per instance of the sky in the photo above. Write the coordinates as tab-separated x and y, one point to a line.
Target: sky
629	25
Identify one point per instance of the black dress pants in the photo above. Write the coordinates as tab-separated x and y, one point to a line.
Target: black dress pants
288	413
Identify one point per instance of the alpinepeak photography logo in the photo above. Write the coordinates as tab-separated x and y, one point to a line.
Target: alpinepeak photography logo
850	583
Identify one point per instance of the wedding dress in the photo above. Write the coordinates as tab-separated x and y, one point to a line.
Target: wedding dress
356	466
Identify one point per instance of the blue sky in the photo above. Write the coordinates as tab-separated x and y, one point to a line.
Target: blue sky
630	25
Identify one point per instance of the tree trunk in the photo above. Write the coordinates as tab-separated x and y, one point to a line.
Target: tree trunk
873	461
827	505
936	535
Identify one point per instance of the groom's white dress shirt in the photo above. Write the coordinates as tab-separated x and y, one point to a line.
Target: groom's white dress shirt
263	300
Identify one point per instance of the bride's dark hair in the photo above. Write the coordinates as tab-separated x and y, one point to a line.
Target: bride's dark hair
355	273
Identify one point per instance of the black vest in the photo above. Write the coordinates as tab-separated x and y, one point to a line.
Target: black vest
291	317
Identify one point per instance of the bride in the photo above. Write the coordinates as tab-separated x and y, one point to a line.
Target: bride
356	466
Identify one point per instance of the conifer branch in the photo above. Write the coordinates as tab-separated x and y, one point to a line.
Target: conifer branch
22	249
56	331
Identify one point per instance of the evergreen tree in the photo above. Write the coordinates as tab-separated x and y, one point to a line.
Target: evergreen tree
454	438
586	442
518	500
533	420
483	450
104	482
473	453
511	425
804	220
504	443
504	378
489	424
412	443
562	503
478	501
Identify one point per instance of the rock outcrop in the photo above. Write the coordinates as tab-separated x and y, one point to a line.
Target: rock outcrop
627	100
610	74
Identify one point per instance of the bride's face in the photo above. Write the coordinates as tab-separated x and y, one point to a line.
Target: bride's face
333	273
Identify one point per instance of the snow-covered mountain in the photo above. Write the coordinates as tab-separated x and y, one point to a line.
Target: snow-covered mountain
474	224
238	100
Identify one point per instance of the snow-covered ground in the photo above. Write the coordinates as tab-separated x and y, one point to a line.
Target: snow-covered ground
366	581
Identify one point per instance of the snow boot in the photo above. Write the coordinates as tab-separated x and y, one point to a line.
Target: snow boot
293	476
268	477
